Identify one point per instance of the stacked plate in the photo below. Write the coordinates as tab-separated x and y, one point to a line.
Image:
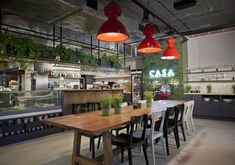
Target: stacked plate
227	100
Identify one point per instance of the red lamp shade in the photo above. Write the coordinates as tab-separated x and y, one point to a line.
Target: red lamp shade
112	30
171	52
149	44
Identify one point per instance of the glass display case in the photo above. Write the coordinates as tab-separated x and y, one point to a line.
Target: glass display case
29	100
22	114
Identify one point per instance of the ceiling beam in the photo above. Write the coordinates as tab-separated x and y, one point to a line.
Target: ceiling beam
153	13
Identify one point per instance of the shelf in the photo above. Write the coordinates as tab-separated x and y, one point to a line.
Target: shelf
67	77
214	81
219	71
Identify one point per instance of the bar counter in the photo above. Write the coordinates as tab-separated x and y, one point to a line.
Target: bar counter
83	96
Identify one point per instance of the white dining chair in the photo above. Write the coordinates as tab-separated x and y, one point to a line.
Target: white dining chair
186	124
191	122
143	103
153	135
124	104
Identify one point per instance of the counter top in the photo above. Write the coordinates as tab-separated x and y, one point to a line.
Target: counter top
90	90
231	94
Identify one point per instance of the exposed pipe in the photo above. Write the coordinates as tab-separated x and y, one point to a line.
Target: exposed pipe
173	14
143	6
54	36
64	16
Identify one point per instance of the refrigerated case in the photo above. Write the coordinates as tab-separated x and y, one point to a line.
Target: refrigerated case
137	84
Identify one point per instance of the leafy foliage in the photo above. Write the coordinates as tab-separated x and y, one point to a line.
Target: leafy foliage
148	95
117	99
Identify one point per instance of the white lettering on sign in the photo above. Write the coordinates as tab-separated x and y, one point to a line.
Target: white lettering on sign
162	73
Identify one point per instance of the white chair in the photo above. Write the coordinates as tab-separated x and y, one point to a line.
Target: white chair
143	103
191	122
124	104
186	118
153	135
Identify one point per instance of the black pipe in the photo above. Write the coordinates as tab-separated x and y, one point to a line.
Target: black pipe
91	45
98	48
54	36
124	54
117	48
29	30
61	29
0	21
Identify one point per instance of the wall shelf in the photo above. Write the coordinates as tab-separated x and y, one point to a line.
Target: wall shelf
214	81
218	71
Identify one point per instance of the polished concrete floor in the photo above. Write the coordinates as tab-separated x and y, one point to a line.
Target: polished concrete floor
213	143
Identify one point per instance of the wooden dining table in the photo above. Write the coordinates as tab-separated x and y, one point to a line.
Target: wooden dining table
93	123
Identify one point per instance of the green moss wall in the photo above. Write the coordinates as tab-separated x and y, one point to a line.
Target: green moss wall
154	62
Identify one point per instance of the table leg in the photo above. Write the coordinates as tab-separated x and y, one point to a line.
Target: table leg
76	147
107	147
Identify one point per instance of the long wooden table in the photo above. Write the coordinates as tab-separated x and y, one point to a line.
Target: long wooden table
93	123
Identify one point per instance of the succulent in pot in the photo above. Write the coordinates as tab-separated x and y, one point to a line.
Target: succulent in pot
209	88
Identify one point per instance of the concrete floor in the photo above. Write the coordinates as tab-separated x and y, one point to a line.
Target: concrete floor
213	143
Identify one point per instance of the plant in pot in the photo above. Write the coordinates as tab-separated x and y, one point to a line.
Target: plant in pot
209	88
105	103
233	87
148	95
187	88
117	99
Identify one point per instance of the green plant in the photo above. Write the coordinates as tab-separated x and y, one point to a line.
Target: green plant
117	99
233	87
209	88
148	95
105	102
187	88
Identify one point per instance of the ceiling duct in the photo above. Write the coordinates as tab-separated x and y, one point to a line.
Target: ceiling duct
183	4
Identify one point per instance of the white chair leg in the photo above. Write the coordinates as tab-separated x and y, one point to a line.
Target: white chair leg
152	149
193	126
185	129
163	146
189	126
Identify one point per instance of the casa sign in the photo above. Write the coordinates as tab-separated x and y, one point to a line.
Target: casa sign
161	73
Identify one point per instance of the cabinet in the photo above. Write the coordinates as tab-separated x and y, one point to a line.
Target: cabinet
213	105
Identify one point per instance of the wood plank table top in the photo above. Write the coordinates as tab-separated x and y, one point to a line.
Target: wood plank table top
94	123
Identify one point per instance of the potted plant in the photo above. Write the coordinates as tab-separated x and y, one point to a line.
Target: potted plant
148	95
233	87
187	89
209	88
105	103
117	99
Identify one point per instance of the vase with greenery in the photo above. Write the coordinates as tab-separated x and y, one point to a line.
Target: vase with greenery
148	95
209	88
105	103
233	87
117	99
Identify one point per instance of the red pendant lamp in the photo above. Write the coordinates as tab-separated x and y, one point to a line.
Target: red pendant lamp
112	30
149	44
171	52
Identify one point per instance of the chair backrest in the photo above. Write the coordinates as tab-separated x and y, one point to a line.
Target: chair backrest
191	107
124	104
143	103
174	112
159	115
181	112
186	110
138	120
